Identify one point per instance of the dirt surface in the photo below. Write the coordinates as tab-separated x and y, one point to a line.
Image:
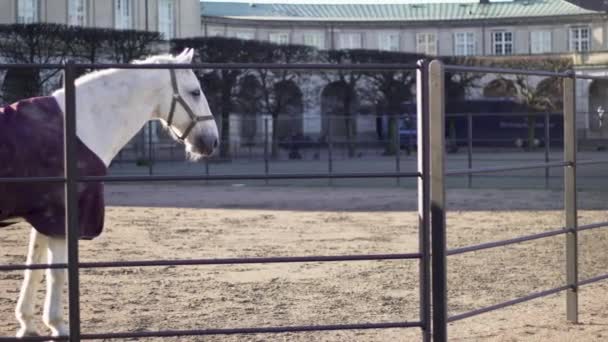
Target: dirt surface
197	221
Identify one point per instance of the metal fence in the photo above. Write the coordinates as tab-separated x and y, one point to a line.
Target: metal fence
72	179
394	147
431	175
438	173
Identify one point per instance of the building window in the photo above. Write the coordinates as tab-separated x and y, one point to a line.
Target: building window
123	14
426	43
215	32
502	42
77	12
464	43
540	41
279	38
579	39
244	35
166	18
389	41
27	11
350	41
316	40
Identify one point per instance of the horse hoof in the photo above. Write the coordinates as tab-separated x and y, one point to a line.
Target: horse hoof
27	333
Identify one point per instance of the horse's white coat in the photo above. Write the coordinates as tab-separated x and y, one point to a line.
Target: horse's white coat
111	107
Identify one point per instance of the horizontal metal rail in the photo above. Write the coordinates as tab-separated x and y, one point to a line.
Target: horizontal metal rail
507	242
248	177
263	330
171	178
222	261
591	162
221	66
525	298
463	172
32	180
234	331
508	303
592	280
34	339
492	70
484	114
592	226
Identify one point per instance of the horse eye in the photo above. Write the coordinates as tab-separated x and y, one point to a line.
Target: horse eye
196	93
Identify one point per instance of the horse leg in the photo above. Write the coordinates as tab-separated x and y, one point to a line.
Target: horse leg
55	281
31	281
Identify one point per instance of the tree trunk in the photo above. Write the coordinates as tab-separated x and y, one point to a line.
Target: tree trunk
225	134
225	129
531	123
391	143
349	122
274	153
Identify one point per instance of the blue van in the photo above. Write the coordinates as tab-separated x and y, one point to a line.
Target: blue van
497	122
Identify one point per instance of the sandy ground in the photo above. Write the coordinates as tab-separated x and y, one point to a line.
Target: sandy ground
197	221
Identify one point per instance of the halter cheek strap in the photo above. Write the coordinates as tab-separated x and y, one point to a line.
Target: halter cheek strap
177	98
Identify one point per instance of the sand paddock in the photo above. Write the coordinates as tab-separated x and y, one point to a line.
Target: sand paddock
192	221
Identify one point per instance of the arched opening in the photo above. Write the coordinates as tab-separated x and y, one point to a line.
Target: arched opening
598	105
338	106
391	115
290	123
249	106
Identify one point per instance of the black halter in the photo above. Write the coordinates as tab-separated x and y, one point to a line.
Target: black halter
177	98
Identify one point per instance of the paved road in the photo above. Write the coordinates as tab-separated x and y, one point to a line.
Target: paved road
592	177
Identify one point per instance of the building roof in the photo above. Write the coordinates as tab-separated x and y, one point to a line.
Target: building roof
394	11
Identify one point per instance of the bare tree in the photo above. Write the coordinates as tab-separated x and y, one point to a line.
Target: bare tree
35	44
279	92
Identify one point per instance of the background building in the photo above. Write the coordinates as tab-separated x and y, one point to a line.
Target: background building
173	18
511	28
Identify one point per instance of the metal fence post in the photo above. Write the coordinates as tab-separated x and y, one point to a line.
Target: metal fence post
547	148
397	150
207	170
330	147
71	198
422	122
266	140
437	146
470	148
570	206
150	149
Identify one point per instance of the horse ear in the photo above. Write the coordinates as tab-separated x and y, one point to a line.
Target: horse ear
186	56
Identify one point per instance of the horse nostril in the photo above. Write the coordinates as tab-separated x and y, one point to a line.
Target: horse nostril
215	143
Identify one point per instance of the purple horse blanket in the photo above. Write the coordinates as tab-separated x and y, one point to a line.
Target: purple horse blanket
31	145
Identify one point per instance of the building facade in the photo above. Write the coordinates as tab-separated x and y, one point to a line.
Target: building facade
172	18
511	28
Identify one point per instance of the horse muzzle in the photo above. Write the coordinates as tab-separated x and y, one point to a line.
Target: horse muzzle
205	145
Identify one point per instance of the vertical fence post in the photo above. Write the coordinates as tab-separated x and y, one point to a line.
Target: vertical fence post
330	147
570	206
470	148
266	140
422	122
71	198
150	149
437	145
547	148
397	150
207	170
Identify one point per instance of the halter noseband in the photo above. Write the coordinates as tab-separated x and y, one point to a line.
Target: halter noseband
177	98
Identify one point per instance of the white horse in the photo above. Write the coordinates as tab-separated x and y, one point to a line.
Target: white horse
112	106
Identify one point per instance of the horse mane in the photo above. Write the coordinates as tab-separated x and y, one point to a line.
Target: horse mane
155	59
